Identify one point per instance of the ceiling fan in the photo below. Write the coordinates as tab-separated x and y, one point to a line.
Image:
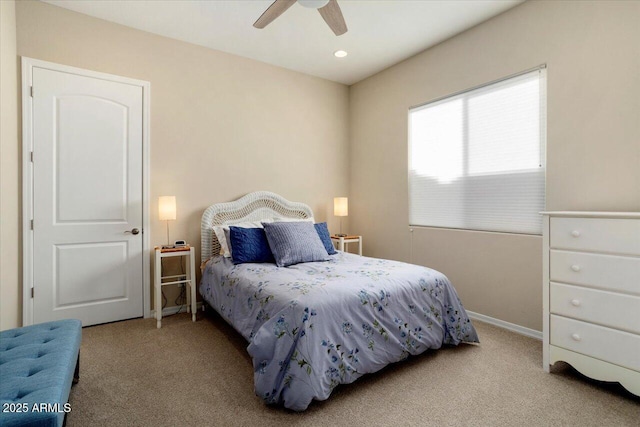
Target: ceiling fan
329	10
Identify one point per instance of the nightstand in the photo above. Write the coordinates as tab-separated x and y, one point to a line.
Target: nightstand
348	239
188	279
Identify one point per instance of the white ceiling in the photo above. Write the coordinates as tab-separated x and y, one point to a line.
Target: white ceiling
381	32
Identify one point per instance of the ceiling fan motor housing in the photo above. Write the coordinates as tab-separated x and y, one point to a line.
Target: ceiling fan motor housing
313	4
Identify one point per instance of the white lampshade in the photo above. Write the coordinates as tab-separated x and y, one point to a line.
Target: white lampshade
167	207
341	206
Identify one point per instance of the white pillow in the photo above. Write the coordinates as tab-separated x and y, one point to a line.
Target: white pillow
219	232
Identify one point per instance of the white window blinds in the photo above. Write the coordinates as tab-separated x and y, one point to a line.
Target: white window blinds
477	159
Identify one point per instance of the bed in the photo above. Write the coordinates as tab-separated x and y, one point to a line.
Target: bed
315	325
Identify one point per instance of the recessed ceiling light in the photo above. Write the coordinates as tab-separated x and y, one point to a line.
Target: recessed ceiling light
340	53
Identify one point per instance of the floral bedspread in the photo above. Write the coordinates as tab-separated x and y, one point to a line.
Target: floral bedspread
315	325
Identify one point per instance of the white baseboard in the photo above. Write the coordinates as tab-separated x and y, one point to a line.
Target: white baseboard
168	311
532	333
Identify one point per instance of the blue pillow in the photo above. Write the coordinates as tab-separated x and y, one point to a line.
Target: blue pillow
249	245
323	233
294	242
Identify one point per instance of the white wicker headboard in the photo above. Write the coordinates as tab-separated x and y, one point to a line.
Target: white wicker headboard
256	206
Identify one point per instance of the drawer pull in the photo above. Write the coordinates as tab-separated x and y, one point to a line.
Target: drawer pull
575	302
576	337
575	267
575	233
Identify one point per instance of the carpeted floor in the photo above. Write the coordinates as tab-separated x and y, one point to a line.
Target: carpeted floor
200	374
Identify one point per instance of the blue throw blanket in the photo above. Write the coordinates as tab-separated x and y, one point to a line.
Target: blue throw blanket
315	325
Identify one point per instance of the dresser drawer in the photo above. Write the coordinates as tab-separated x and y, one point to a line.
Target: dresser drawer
617	347
596	234
601	307
610	272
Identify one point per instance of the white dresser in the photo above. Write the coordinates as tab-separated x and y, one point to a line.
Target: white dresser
591	294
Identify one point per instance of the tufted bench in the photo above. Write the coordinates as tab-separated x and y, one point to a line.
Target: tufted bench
38	363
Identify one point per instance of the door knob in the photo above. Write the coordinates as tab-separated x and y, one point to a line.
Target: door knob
133	231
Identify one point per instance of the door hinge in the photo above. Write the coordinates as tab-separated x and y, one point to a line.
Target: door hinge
31	91
32	224
32	292
31	156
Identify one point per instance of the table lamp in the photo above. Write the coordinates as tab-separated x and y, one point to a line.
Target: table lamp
167	211
340	209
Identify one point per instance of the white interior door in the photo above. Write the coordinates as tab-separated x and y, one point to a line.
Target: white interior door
87	194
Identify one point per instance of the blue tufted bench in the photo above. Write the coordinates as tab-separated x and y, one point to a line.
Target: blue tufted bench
38	363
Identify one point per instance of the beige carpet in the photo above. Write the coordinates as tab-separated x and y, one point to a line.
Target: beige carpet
200	374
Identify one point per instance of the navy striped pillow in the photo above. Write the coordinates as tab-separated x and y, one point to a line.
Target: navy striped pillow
325	237
294	242
249	245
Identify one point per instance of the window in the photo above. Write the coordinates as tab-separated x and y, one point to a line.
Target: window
477	159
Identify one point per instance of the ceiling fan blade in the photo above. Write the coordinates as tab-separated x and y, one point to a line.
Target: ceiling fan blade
332	15
276	9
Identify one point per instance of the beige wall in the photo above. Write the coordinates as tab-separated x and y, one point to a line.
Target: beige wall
221	125
10	309
592	50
